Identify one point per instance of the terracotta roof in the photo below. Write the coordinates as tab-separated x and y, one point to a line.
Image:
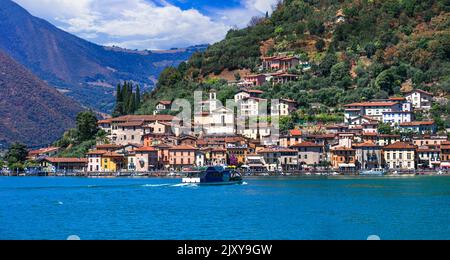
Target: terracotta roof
105	121
366	144
112	154
307	144
342	148
276	150
418	123
423	150
67	160
400	145
145	118
131	124
372	104
146	149
165	102
108	146
183	147
97	152
255	91
43	150
295	132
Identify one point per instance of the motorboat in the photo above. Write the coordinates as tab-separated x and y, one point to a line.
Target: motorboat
215	175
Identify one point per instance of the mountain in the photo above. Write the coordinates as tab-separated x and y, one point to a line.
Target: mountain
31	112
351	51
82	70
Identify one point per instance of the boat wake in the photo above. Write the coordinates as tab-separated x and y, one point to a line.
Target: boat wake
169	185
155	185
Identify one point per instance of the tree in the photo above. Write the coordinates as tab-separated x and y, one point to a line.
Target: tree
86	126
138	97
16	155
384	129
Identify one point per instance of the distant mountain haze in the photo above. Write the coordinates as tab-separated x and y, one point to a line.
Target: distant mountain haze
82	70
31	112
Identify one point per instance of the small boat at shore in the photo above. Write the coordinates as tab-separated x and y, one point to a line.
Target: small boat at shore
374	172
217	175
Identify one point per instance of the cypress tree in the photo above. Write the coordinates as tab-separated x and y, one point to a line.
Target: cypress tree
138	97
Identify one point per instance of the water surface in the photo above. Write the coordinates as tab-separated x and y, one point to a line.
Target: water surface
295	208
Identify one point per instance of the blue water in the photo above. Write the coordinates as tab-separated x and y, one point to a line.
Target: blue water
55	208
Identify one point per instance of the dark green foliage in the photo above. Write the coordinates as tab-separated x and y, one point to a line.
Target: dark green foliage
16	156
86	126
372	52
127	101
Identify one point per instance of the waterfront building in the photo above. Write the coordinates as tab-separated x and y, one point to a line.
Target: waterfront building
429	157
368	156
400	155
182	156
63	165
343	159
95	160
146	159
256	162
445	155
309	154
238	152
279	159
112	162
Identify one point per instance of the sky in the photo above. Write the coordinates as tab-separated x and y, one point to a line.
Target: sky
148	24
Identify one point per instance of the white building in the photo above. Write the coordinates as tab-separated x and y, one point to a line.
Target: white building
397	117
420	99
284	107
373	110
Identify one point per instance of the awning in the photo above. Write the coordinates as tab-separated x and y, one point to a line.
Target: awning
445	165
345	165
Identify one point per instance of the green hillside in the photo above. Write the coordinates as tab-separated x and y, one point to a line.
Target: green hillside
357	50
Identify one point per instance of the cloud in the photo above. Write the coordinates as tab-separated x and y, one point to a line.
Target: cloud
141	24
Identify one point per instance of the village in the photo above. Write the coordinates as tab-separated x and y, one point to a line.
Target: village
146	144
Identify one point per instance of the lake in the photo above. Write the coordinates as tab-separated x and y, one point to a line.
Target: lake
261	209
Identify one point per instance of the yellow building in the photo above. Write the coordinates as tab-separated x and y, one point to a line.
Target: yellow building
112	162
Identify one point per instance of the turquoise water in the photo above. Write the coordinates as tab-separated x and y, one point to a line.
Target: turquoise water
55	208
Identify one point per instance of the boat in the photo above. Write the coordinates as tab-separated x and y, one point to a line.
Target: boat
215	175
373	172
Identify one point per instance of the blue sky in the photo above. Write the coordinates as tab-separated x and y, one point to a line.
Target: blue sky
148	24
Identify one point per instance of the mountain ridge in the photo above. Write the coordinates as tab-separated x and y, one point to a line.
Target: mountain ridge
31	112
83	70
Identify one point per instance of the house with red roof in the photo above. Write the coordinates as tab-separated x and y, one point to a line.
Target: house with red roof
400	156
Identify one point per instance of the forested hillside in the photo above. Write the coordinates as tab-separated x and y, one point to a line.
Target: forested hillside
356	50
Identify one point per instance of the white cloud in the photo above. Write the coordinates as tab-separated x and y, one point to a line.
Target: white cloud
140	24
